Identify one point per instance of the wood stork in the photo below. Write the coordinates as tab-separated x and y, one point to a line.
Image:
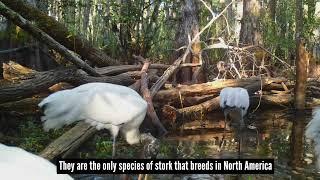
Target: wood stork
16	164
235	103
103	105
313	132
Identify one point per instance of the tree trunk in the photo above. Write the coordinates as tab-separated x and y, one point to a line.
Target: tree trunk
272	9
302	60
60	33
250	33
297	141
188	26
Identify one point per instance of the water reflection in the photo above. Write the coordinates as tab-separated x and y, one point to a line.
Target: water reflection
297	140
279	135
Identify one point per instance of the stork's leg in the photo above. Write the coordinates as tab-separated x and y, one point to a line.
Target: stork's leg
114	132
114	147
224	130
242	124
242	127
239	144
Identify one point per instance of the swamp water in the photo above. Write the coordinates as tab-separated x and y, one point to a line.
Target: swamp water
279	135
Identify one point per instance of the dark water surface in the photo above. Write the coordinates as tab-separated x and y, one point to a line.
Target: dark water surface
279	134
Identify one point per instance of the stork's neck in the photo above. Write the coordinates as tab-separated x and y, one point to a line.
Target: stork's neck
233	113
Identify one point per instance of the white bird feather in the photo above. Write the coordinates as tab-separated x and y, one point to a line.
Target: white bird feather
235	97
103	105
313	132
17	164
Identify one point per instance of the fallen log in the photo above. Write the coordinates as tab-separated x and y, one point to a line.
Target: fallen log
176	116
275	100
112	70
69	141
190	101
45	38
211	88
24	106
166	75
14	71
60	33
41	81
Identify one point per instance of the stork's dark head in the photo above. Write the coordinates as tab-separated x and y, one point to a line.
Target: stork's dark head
234	115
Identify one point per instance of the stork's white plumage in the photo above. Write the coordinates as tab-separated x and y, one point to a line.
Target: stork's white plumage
17	164
103	105
234	97
313	132
237	98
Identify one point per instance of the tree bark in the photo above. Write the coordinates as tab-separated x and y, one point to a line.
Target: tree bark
302	59
41	81
172	114
166	75
24	106
250	33
212	88
60	33
69	141
113	70
147	96
188	26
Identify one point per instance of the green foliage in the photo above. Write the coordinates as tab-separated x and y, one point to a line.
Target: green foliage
103	148
278	34
15	33
148	28
33	138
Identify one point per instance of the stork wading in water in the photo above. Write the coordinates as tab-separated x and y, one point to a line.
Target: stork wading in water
234	103
17	164
103	105
313	132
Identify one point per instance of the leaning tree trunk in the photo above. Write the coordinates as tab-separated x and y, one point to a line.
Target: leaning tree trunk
60	33
250	30
45	38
